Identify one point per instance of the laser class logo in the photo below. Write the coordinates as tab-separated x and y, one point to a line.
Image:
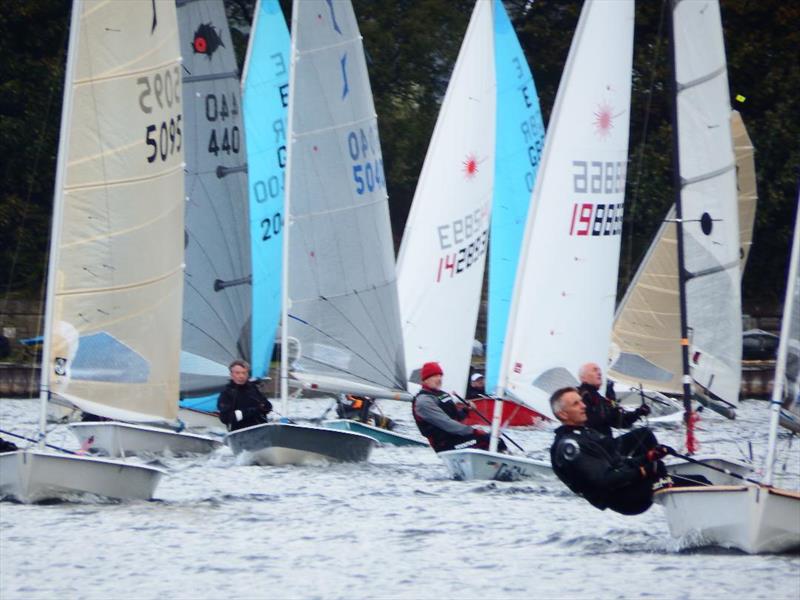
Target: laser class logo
470	166
206	40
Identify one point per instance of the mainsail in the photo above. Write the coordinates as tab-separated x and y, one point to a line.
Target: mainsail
441	262
343	316
710	224
646	335
114	287
217	293
566	281
265	95
520	137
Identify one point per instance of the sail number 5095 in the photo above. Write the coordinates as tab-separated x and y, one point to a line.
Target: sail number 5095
164	140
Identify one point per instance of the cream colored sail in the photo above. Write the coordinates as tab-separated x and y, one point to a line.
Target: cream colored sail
746	185
117	248
646	335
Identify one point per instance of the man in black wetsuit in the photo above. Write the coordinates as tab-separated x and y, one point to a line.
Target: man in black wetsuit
241	404
603	413
438	417
619	474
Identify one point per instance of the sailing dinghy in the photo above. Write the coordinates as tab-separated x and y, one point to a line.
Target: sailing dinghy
339	307
563	307
113	303
753	517
217	290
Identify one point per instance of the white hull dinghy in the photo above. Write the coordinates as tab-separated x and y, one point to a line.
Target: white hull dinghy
471	464
752	518
276	444
116	439
30	476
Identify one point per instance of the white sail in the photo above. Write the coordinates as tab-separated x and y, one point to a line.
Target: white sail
343	314
114	335
707	170
646	335
566	281
789	351
443	253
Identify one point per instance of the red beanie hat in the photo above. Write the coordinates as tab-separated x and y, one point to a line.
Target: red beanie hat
429	369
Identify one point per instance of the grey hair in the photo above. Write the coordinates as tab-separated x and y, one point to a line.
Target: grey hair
585	369
555	400
239	363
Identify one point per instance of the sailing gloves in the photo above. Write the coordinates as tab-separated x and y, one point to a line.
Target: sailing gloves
643	410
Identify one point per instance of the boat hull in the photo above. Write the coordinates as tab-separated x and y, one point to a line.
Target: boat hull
469	464
114	439
751	518
383	436
712	471
33	476
200	419
514	414
291	444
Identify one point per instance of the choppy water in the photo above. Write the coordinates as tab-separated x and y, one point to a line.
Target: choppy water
395	527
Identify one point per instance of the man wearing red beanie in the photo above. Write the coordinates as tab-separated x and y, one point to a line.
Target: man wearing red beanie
438	417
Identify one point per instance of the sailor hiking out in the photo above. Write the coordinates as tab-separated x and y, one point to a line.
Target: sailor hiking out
620	474
439	418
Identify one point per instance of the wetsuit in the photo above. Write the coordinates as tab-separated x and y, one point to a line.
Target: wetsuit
439	419
609	473
247	401
603	413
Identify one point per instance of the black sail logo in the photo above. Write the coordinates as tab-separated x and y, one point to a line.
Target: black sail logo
206	40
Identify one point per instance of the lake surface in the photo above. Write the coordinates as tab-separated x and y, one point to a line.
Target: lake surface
395	527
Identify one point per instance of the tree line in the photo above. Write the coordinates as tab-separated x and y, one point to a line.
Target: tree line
411	47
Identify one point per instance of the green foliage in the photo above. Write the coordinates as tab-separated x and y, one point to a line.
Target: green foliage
411	47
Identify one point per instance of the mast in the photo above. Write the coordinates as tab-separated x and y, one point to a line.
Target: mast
55	225
780	366
677	185
287	215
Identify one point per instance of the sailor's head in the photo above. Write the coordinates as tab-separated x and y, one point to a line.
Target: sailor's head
431	375
240	371
477	380
592	374
568	407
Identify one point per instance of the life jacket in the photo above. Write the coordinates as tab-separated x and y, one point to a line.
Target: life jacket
449	409
355	402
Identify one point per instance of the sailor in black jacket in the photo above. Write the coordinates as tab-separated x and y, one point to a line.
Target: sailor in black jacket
603	413
241	404
608	473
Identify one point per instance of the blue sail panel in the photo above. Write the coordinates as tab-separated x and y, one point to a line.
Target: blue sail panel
266	99
520	138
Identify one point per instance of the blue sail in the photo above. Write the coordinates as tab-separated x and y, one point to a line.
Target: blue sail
265	90
520	138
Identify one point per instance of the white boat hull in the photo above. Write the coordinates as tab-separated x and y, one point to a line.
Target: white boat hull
750	518
712	472
33	476
380	435
277	444
468	464
115	439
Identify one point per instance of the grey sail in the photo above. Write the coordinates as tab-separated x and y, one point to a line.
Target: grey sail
343	314
217	294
